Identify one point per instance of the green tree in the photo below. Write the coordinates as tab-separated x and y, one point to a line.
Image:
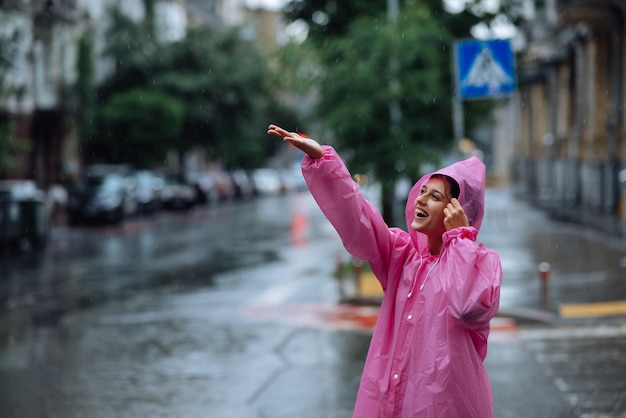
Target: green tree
224	83
140	125
134	52
371	67
86	88
10	148
331	18
220	78
358	90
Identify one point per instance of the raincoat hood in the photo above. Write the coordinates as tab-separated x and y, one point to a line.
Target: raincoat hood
470	176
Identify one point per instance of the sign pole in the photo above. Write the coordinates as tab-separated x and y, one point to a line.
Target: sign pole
458	119
395	114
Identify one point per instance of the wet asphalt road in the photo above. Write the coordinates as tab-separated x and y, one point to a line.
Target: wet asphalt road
232	311
176	315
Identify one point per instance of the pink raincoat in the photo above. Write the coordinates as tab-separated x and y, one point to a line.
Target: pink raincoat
427	350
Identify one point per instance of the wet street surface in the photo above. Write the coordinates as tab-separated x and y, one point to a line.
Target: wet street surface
232	311
561	373
177	315
587	366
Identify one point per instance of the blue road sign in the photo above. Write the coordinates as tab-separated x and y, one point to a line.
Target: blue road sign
484	69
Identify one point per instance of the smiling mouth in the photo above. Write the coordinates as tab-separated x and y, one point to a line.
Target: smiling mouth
420	214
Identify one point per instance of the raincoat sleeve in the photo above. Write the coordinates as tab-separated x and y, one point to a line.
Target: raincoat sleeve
472	277
360	225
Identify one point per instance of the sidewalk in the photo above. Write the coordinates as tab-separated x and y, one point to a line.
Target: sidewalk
586	267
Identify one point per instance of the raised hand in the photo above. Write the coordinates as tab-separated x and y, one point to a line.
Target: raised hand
304	143
454	215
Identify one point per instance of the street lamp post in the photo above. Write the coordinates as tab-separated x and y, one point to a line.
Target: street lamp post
393	11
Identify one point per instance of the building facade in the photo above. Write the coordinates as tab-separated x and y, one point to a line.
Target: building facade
37	35
42	38
570	152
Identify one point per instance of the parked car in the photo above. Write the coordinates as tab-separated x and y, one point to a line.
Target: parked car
223	184
177	194
204	187
242	184
103	197
148	191
297	179
24	215
266	181
288	181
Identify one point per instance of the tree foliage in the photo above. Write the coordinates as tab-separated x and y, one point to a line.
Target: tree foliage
141	126
331	18
358	88
371	65
11	148
133	51
220	78
222	81
86	87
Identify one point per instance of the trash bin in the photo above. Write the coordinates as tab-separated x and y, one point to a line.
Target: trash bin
33	220
9	221
23	214
4	218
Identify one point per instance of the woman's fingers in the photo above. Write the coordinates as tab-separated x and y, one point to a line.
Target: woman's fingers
454	215
278	131
304	143
291	137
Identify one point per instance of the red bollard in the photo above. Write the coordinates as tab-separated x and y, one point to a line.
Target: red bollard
357	268
339	272
544	276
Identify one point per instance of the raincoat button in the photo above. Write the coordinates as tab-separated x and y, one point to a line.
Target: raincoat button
409	317
396	376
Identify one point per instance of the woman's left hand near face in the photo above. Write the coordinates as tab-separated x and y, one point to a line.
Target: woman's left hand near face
454	215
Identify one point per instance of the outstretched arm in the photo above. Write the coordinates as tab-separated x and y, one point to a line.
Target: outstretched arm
304	143
359	224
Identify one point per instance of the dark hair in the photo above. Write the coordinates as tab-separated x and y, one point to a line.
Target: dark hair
455	190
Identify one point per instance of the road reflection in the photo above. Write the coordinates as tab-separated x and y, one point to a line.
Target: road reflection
83	267
155	320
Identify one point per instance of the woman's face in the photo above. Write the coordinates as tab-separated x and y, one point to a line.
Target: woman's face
429	205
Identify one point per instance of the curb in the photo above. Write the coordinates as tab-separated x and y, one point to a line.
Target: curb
530	316
362	300
370	294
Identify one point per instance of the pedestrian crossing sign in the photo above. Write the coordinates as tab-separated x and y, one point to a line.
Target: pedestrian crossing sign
484	69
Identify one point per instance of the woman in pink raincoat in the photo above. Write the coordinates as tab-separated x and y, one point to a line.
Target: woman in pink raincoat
441	287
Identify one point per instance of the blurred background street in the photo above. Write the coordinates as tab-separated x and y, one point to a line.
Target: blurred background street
235	311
